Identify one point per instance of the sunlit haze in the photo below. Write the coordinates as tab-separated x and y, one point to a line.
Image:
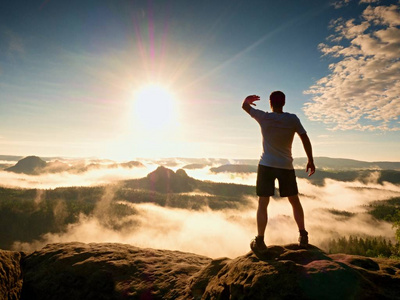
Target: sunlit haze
126	79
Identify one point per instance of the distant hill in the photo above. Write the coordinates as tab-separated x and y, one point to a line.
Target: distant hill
131	164
34	165
31	165
346	164
164	180
235	169
320	162
194	166
198	163
365	176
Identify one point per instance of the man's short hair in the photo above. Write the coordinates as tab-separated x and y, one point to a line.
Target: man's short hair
277	98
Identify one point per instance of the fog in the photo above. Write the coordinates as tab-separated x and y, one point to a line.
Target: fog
63	179
224	233
237	178
103	174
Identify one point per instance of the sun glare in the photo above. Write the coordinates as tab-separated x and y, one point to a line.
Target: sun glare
154	107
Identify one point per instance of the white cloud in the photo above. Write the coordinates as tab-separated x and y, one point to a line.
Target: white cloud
54	180
340	3
383	15
368	1
362	91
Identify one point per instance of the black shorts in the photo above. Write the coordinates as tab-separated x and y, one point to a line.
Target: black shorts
266	182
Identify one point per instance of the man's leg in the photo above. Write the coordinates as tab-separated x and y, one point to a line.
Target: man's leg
265	188
258	244
262	215
298	212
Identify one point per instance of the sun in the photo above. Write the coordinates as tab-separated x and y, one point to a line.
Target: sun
154	107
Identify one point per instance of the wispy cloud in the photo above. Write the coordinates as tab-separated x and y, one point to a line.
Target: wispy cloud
53	180
340	3
14	43
362	90
369	1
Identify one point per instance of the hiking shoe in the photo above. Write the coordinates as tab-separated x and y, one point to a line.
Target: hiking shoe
257	245
303	241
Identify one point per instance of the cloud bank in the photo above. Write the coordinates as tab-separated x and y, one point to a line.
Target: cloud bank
91	177
63	172
227	233
362	91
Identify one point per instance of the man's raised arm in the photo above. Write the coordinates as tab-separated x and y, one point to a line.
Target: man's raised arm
249	101
308	148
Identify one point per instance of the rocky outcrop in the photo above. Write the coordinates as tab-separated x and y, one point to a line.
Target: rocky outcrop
10	275
108	271
118	271
291	273
164	180
31	165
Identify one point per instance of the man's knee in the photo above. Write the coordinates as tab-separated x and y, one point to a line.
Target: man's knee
263	201
294	199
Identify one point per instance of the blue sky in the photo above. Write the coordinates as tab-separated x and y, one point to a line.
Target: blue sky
70	72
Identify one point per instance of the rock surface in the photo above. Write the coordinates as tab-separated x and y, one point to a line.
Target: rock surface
291	273
10	275
108	271
119	271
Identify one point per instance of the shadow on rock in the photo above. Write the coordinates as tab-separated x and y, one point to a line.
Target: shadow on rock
288	272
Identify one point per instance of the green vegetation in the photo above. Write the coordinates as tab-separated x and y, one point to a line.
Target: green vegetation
341	213
386	210
25	214
367	246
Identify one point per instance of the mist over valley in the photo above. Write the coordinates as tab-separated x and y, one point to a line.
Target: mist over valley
203	206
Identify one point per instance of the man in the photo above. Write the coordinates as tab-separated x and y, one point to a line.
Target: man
278	129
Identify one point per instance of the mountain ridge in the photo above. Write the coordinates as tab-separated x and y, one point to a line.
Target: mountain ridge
34	165
198	163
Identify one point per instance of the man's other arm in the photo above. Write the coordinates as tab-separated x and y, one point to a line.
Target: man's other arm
308	148
246	105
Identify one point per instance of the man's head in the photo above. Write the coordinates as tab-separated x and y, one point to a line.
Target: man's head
277	99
